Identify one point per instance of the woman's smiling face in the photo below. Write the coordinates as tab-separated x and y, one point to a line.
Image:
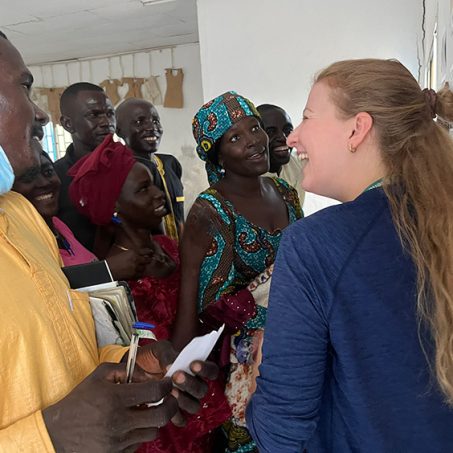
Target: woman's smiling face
244	148
141	203
40	185
322	140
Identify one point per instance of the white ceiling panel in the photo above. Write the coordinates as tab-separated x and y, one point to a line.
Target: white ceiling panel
13	16
53	30
80	20
129	9
173	30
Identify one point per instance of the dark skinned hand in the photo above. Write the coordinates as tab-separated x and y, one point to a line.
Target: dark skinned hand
160	265
103	414
156	357
129	264
149	258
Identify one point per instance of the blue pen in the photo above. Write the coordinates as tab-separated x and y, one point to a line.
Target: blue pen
143	325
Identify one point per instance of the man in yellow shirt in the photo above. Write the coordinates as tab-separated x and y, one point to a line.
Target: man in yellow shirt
54	395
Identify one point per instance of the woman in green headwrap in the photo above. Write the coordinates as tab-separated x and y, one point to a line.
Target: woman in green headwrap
229	245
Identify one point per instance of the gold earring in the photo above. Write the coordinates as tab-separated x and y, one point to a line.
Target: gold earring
351	148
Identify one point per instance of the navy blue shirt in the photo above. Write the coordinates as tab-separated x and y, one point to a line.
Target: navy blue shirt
343	370
80	225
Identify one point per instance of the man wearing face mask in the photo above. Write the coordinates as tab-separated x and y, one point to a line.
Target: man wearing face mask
88	115
6	173
55	397
278	125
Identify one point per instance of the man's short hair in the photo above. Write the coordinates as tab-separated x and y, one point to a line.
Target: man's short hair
263	108
2	35
266	107
72	91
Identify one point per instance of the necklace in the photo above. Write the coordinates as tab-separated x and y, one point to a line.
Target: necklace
120	247
374	185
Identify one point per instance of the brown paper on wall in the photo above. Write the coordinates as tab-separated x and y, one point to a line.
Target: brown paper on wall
151	91
39	97
48	99
111	89
173	95
135	85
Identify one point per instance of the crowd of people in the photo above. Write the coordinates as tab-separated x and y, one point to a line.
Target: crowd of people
338	327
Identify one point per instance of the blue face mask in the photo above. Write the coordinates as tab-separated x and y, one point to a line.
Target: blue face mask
6	173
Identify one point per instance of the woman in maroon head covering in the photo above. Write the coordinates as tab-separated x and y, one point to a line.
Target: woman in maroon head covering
115	191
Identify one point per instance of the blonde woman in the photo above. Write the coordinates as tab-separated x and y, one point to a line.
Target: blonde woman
358	350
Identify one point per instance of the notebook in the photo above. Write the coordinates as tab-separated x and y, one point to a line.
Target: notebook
87	275
112	304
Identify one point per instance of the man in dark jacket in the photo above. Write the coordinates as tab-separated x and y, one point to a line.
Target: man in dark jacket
88	115
138	123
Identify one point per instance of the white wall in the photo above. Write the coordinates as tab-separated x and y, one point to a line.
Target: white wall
177	138
269	50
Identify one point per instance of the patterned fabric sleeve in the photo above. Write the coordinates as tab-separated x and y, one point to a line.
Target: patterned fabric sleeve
217	268
220	299
291	197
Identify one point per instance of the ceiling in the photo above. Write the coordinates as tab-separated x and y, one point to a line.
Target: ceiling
52	30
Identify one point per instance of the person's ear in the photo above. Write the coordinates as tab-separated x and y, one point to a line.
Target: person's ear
66	122
362	125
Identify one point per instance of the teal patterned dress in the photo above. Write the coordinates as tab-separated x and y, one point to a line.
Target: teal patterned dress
239	252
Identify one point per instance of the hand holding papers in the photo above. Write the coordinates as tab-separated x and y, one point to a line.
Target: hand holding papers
198	349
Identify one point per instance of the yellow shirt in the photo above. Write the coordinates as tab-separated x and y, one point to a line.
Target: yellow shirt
47	340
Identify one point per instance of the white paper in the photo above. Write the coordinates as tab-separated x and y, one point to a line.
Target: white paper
101	286
198	349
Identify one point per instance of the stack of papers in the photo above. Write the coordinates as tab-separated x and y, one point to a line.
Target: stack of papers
114	313
111	302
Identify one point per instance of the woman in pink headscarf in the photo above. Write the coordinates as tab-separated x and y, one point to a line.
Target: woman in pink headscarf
42	188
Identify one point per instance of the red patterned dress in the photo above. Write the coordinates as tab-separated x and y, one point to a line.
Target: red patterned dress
156	301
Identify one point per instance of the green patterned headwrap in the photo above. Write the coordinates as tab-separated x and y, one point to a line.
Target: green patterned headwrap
212	121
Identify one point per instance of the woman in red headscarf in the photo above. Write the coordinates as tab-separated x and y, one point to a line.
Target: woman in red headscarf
114	190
